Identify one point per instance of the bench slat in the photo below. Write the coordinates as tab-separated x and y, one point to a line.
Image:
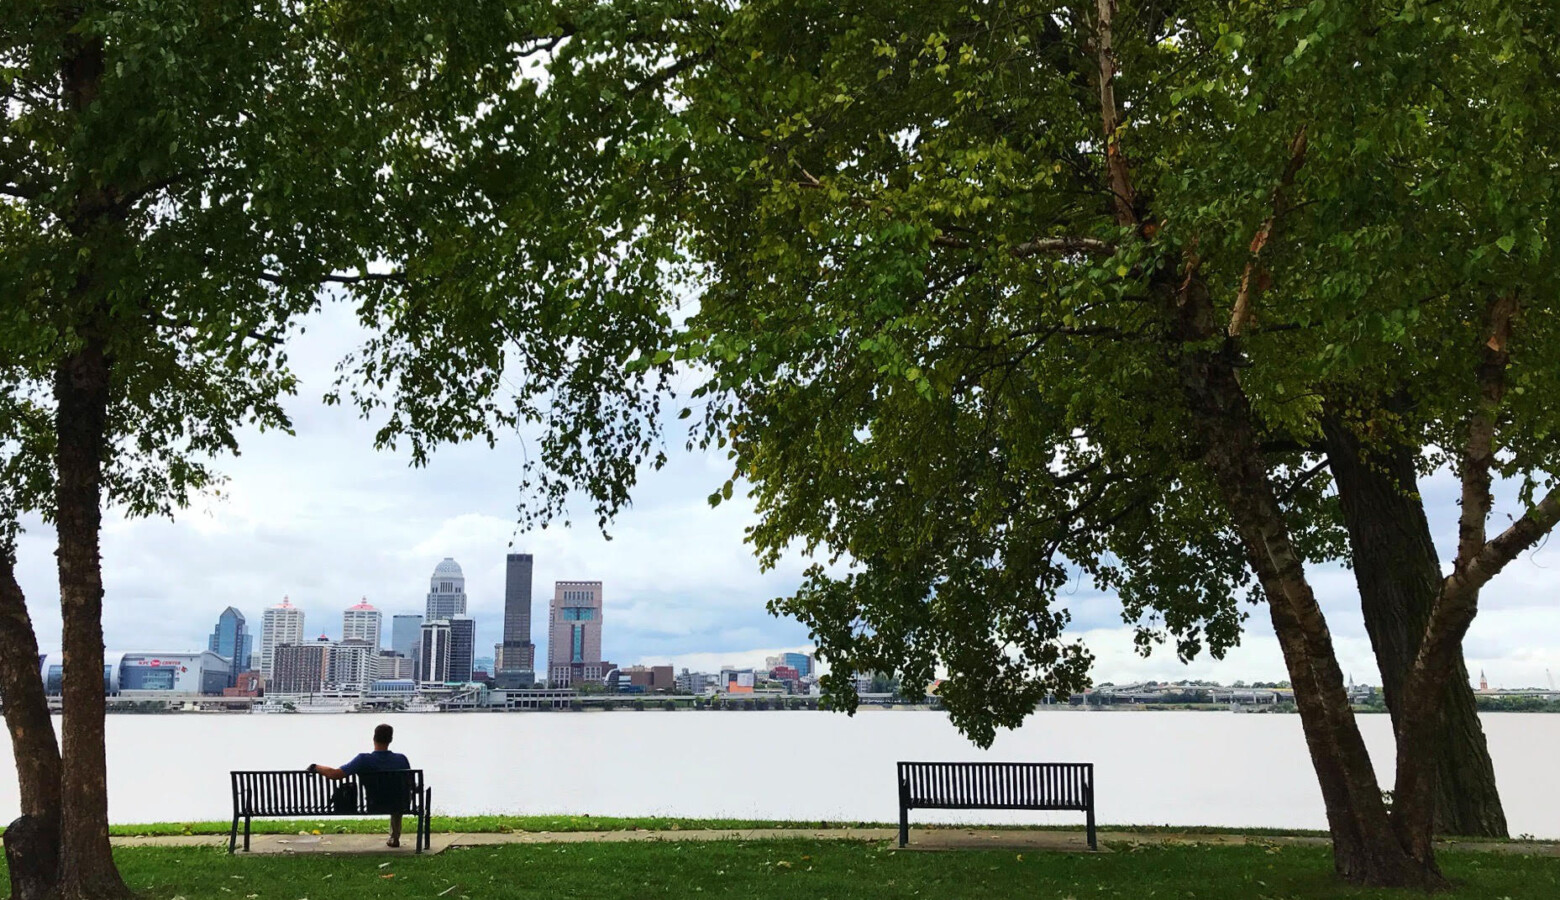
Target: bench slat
1043	786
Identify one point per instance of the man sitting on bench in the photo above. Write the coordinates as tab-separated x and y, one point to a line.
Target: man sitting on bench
381	760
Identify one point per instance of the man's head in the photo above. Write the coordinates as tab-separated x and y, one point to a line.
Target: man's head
382	737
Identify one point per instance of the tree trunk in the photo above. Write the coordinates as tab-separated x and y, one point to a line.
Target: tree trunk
1399	577
1367	849
81	389
32	842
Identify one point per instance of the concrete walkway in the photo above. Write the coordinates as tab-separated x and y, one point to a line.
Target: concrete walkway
920	839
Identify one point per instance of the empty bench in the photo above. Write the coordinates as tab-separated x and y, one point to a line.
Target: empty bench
296	794
1064	786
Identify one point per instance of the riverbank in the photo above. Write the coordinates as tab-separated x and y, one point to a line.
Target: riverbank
781	869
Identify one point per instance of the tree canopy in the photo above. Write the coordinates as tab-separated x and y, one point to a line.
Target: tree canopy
989	291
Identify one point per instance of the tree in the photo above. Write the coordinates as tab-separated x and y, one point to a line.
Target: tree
995	292
991	293
177	181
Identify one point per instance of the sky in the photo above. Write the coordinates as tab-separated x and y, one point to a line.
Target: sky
322	518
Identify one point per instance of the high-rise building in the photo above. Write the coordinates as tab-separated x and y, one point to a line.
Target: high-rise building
446	591
801	662
463	646
231	641
574	634
361	622
282	625
405	634
515	657
352	665
299	668
433	652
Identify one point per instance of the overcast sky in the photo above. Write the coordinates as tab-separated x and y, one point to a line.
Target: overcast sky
324	519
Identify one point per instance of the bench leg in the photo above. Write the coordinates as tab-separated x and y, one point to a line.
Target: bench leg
247	820
904	825
1093	844
233	835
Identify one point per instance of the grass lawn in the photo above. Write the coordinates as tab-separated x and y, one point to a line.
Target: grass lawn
490	824
786	870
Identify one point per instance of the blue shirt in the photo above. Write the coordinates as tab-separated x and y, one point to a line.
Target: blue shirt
378	761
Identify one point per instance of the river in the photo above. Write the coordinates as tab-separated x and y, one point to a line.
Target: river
1151	768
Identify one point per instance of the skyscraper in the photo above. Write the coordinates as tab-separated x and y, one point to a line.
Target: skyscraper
361	622
515	657
405	633
282	625
231	641
433	652
463	645
574	633
446	591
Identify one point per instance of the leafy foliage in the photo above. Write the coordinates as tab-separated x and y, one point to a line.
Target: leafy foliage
939	358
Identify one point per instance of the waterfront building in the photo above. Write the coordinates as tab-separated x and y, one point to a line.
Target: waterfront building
787	676
446	591
405	634
352	665
651	678
282	624
299	668
178	671
463	645
393	688
245	684
514	662
390	666
433	653
362	622
737	681
574	634
231	641
803	663
692	682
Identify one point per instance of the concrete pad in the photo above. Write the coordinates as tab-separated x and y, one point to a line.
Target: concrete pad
272	844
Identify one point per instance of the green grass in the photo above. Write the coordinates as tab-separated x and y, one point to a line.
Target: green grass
785	870
476	825
489	824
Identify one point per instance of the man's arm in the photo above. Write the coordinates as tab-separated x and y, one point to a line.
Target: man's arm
328	771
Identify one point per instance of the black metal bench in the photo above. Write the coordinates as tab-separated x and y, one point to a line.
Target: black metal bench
297	794
1066	786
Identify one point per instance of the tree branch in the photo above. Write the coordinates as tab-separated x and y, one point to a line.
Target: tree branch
1115	163
1039	246
1302	479
1479	452
1241	314
1478	560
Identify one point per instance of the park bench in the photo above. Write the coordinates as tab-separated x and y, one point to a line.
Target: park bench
307	795
982	785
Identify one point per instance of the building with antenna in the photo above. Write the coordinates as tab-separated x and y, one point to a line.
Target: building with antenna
362	622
